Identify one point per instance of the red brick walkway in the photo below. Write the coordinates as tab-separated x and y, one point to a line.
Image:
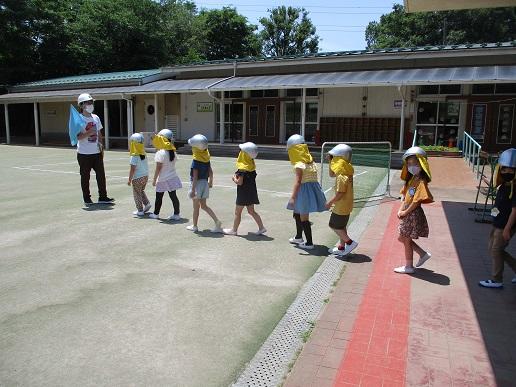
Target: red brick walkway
434	328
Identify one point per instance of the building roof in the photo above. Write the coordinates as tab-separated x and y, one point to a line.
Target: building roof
439	48
92	78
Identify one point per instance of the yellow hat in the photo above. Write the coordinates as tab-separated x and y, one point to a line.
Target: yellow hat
299	153
423	162
245	162
200	154
161	142
340	166
136	145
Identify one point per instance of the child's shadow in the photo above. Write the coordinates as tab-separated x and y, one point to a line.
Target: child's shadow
99	207
354	258
208	234
317	251
172	222
257	238
431	276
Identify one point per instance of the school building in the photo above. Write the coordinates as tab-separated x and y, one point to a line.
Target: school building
438	92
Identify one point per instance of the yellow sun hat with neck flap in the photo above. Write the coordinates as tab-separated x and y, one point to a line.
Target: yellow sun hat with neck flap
423	162
136	145
199	144
298	151
245	160
164	140
340	164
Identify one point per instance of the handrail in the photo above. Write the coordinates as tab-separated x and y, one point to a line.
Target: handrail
471	152
414	138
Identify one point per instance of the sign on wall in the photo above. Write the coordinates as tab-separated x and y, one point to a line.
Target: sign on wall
204	107
397	104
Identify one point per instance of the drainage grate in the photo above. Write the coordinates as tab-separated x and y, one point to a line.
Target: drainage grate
272	360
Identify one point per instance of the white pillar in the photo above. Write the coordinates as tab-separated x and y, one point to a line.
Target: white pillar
303	113
402	122
222	124
130	125
156	113
106	125
7	129
36	123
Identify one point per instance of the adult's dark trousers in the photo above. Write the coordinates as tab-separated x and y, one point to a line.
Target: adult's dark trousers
86	164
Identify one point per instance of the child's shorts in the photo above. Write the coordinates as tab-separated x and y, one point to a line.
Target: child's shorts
202	190
338	222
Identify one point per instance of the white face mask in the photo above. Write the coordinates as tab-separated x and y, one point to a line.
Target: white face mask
414	169
89	108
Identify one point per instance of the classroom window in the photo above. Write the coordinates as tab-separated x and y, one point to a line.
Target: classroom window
233	121
293	119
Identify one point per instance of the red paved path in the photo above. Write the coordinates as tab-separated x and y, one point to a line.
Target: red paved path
434	328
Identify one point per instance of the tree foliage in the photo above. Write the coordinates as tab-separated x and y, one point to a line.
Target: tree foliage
400	29
288	31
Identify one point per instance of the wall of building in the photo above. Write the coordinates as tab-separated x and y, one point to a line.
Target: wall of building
193	122
139	111
53	117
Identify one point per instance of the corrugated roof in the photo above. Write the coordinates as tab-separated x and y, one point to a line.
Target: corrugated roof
88	78
451	47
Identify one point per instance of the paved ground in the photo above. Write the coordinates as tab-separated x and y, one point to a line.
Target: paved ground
435	328
96	297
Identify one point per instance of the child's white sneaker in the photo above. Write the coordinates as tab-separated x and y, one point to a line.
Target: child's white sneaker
296	241
217	228
304	246
349	248
152	215
147	207
229	231
491	284
138	213
423	259
335	250
192	228
259	232
405	270
174	217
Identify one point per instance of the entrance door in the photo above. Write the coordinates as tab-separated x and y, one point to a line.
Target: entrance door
150	115
263	122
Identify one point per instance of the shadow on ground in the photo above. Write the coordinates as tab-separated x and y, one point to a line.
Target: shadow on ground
495	310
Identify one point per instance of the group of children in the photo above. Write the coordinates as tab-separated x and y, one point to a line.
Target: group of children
307	195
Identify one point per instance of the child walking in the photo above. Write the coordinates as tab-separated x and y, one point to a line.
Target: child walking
138	174
416	174
201	177
342	203
165	175
247	195
504	219
307	195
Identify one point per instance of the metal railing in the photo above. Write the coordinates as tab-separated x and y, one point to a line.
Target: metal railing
471	153
414	138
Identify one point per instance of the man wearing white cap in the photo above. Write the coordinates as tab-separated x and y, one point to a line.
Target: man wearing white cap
89	151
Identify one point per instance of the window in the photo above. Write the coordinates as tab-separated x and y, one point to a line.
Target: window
437	123
264	93
498	88
233	121
439	89
478	121
270	121
253	120
483	89
505	88
293	119
505	124
299	92
234	94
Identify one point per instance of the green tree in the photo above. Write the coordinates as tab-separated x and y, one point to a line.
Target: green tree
225	33
288	31
400	29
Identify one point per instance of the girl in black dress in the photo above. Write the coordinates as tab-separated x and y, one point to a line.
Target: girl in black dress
247	195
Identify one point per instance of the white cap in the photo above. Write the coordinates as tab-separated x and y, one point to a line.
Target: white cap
342	150
415	150
250	148
84	97
136	137
295	139
166	133
199	141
